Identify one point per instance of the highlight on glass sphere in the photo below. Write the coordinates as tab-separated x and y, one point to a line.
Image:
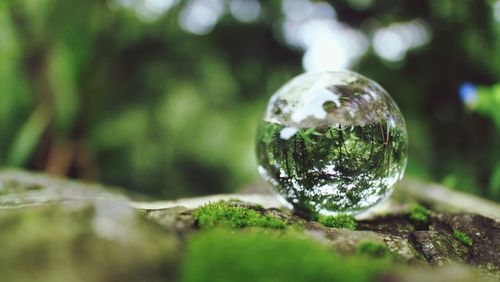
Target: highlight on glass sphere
332	143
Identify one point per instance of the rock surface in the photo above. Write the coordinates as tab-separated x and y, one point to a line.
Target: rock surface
59	230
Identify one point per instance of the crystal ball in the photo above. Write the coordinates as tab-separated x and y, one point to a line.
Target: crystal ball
332	143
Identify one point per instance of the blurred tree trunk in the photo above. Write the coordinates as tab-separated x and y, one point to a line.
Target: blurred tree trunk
58	153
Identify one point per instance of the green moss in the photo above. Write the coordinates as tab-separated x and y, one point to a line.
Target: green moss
463	238
419	213
377	250
372	248
228	255
338	221
223	214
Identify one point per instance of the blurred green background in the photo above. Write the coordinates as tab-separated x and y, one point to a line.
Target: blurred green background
163	96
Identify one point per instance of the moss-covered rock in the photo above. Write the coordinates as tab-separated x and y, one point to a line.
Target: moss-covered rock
484	249
438	248
101	242
58	230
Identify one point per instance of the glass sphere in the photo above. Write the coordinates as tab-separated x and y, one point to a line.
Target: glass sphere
332	143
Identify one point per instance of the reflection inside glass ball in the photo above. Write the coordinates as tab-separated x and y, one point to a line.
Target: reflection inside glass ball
332	143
